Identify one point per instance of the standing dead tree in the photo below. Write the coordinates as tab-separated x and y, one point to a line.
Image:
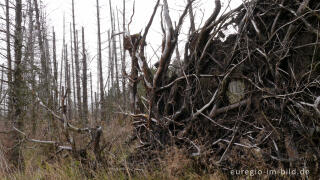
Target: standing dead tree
84	80
123	59
16	157
73	73
113	50
55	69
9	59
94	141
43	60
76	61
100	73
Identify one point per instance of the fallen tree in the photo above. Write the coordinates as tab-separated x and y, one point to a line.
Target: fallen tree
250	99
77	151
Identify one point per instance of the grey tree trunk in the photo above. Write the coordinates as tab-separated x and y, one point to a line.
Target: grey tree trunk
9	61
96	107
52	123
84	80
55	70
76	60
61	70
123	61
115	54
1	88
72	67
44	69
114	59
111	69
68	83
29	57
192	25
92	101
103	108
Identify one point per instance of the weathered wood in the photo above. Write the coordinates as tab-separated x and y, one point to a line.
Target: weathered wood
100	73
76	60
84	81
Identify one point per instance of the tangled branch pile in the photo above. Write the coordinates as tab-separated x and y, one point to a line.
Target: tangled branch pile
247	100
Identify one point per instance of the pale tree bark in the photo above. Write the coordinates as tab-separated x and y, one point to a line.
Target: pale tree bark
29	51
61	70
78	73
50	97
114	51
133	81
29	57
9	60
55	73
44	68
103	108
68	83
111	69
123	54
96	107
48	61
76	60
72	67
123	61
1	88
55	70
92	102
61	63
111	62
84	80
65	57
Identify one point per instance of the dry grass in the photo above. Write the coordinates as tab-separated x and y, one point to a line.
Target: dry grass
174	165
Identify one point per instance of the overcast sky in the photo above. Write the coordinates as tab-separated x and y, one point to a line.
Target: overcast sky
85	13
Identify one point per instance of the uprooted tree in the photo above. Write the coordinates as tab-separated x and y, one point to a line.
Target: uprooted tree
250	98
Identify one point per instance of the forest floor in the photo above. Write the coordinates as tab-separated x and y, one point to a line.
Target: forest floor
39	165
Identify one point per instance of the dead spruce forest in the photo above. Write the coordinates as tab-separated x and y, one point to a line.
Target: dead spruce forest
239	92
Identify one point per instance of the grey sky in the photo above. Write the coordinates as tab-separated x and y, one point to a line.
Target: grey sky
85	11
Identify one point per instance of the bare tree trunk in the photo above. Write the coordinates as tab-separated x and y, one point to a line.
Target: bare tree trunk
64	55
192	25
123	62
72	67
52	123
116	57
44	70
103	108
55	70
68	83
55	75
48	62
18	90
96	107
111	69
76	60
61	70
9	61
1	88
29	57
84	81
114	51
92	102
133	81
